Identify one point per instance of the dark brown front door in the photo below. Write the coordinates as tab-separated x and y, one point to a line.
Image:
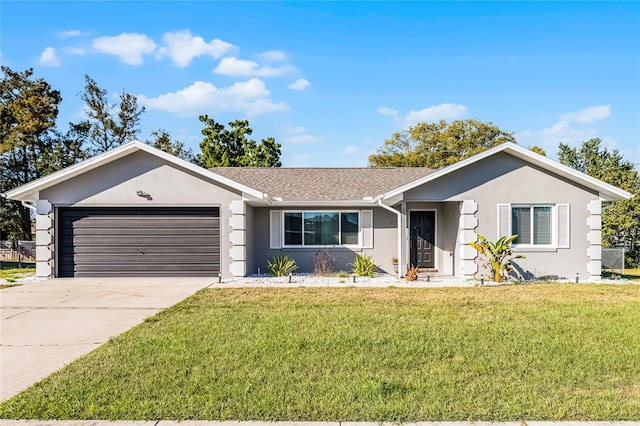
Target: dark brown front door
422	224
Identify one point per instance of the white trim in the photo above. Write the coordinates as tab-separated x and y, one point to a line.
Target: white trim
554	245
26	191
276	219
607	192
436	245
398	231
303	246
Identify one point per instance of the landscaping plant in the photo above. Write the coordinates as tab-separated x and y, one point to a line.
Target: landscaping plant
363	265
323	263
497	256
280	266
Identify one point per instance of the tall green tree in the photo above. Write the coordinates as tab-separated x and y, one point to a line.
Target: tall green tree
621	220
222	147
161	139
30	145
110	125
438	145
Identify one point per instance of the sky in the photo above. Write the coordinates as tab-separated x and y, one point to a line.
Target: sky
331	81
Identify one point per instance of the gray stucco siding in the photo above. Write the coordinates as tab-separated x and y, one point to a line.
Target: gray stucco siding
385	241
116	184
503	178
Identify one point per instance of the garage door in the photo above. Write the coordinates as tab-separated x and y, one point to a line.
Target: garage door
111	242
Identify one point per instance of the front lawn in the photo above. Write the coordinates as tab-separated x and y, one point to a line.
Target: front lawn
543	352
10	275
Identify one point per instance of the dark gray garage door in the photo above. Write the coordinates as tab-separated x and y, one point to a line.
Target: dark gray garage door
111	242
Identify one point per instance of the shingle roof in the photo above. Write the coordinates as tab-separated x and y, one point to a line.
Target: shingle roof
323	184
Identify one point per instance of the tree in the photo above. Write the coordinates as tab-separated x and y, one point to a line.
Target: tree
223	147
538	150
438	145
110	125
162	141
620	220
30	146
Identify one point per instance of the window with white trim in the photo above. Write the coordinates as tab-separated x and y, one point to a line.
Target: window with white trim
321	228
544	226
532	224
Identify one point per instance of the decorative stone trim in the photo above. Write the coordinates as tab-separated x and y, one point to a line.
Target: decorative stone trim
594	237
45	256
467	225
238	239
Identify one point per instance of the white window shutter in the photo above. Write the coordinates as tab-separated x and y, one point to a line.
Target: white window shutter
366	216
504	220
275	229
564	225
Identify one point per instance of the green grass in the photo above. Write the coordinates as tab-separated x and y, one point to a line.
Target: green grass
541	351
15	273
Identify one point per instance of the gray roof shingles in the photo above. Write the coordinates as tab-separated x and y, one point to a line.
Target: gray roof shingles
323	184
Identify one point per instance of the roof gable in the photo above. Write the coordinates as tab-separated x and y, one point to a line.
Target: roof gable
28	192
607	192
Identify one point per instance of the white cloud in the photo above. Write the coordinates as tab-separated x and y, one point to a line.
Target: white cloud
182	47
69	34
388	111
250	97
293	129
49	57
273	56
302	139
588	115
297	134
235	67
438	112
74	50
565	129
128	47
299	84
350	149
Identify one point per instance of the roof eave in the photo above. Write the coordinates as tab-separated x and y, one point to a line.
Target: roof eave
607	192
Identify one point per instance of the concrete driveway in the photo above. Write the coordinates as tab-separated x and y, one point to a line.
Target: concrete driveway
48	324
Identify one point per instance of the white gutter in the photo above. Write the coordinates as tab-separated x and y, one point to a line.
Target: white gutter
399	214
29	205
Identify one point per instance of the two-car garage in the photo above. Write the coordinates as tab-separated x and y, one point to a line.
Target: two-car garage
138	241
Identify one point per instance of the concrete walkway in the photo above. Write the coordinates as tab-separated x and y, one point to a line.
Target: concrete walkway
48	324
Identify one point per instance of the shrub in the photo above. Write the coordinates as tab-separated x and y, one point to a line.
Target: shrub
497	256
342	274
363	265
323	262
279	266
412	274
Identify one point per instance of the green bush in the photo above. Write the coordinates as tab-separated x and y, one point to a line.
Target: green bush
279	266
363	265
342	274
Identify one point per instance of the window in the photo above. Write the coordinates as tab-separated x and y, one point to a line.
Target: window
539	226
533	224
321	228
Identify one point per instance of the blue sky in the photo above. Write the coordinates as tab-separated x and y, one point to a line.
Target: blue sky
332	80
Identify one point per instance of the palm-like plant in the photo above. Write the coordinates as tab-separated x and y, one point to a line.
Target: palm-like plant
497	256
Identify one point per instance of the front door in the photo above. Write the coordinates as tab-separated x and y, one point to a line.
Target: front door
423	225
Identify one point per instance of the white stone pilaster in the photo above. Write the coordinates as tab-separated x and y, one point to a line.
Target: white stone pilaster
467	224
237	238
594	238
45	254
